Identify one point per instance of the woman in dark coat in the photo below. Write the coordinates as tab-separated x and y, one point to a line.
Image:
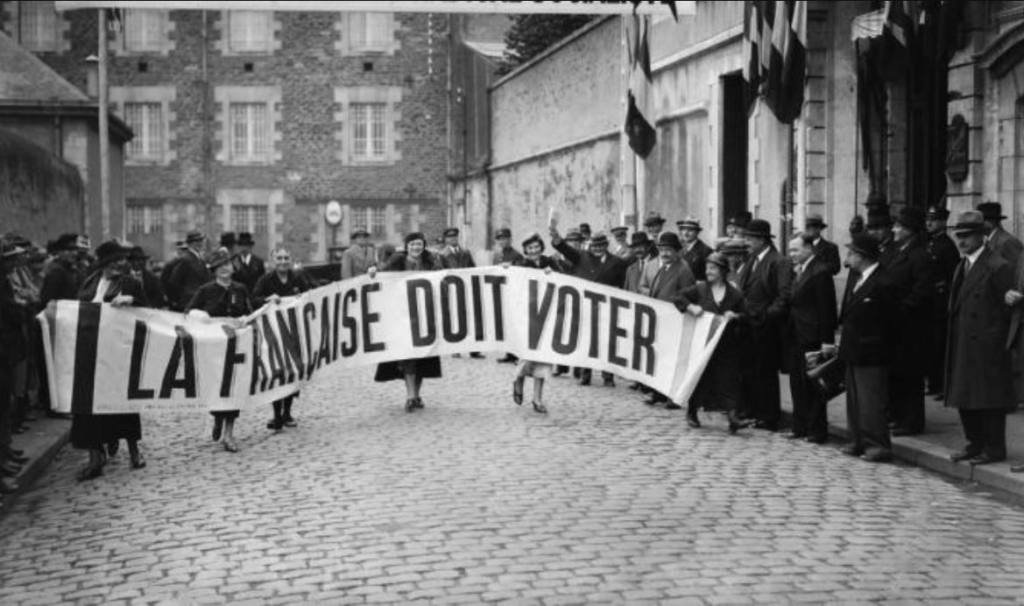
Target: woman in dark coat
283	281
110	283
533	246
416	257
222	298
719	387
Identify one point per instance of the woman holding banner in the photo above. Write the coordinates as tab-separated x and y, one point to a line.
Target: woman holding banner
533	246
110	283
416	257
719	386
222	298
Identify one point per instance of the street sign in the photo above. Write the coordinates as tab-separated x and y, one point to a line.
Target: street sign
333	213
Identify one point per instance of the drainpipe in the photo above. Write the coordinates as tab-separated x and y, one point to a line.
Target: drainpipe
487	169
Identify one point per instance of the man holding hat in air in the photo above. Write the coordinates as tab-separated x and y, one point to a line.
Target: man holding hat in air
695	251
944	257
824	251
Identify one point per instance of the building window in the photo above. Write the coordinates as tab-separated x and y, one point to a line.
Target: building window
249	217
147	122
145	220
370	218
144	30
248	128
369	132
37	29
370	31
250	31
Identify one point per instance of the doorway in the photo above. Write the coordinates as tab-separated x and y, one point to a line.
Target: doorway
733	173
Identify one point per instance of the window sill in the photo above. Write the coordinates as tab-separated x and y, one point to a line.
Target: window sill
145	162
369	162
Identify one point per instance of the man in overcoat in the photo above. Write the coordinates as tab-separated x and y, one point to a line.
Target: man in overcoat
695	251
944	257
62	278
640	245
824	251
764	280
998	239
978	375
359	257
248	268
189	273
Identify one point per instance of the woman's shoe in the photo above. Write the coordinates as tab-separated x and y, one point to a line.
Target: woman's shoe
275	424
540	408
418	402
90	472
410	404
691	419
289	422
736	423
137	461
218	426
517	391
230	446
112	448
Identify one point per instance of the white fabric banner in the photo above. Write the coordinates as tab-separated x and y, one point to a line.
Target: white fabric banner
104	359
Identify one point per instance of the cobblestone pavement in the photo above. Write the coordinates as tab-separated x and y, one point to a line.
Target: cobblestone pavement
474	499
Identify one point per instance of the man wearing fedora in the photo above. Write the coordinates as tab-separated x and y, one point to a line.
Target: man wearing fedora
138	261
671	279
734	227
62	278
865	343
620	244
879	227
454	256
639	246
695	251
653	225
824	251
359	257
764	280
944	257
997	238
228	242
910	275
172	295
979	382
189	273
248	268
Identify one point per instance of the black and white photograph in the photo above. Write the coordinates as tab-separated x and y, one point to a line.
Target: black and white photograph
497	302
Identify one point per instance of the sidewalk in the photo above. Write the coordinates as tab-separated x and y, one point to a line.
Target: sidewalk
943	436
41	443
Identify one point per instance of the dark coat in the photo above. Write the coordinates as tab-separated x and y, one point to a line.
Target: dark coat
248	273
669	284
910	276
586	265
507	255
543	262
866	319
697	258
1007	246
221	302
719	387
62	281
944	257
154	290
828	253
425	368
13	345
978	368
766	288
271	284
188	275
1014	337
170	291
887	250
452	259
813	316
125	285
633	275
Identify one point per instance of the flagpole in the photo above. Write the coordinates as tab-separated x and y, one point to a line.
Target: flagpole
627	160
104	128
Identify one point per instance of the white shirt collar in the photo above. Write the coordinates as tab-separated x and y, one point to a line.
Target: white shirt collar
973	257
760	257
867	273
806	264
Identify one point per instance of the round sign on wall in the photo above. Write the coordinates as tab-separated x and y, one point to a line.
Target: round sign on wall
333	212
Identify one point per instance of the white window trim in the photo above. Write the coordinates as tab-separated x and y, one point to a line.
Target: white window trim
222	27
165	96
346	46
224	96
149	212
118	44
12	25
345	97
273	199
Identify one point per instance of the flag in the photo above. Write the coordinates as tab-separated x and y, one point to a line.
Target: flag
899	20
752	52
775	46
640	133
115	20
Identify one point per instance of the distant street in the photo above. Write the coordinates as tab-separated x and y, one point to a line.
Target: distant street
474	499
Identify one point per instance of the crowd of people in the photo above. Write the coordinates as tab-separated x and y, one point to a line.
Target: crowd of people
921	313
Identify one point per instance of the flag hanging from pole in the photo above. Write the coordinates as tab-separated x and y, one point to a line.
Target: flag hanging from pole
640	133
775	44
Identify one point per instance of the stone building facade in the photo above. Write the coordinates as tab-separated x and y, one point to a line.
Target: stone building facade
254	121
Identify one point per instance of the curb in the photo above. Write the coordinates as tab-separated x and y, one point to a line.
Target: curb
41	444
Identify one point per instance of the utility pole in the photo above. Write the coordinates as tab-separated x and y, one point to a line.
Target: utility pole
104	128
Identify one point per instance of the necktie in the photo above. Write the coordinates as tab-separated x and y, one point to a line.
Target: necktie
657	278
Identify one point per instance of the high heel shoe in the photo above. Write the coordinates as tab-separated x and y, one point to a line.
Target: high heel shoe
218	427
539	408
136	456
418	402
735	423
517	391
90	472
410	404
230	446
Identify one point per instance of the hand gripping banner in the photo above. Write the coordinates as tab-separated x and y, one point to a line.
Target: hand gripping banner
104	359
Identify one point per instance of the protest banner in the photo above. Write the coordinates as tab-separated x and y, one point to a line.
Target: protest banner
105	359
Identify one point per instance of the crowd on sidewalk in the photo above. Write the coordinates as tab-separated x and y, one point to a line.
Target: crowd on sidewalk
921	313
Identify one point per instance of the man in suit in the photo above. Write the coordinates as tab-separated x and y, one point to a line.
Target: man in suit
170	293
189	273
739	221
228	241
596	265
62	278
764	281
864	346
943	256
620	245
672	277
998	239
979	382
359	257
504	252
824	251
585	232
695	251
879	227
652	225
248	268
811	323
454	256
910	277
638	247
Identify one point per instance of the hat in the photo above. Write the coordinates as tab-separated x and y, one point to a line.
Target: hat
504	232
968	222
9	249
864	245
689	223
735	246
912	218
109	252
245	239
653	219
584	228
416	235
720	260
65	243
573	234
451	231
359	232
84	243
815	221
599	239
758	228
194	236
879	219
136	253
640	239
991	211
619	230
670	240
937	213
181	244
227	239
876	200
217	258
741	219
534	237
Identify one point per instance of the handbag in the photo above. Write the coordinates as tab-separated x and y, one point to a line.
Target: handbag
828	378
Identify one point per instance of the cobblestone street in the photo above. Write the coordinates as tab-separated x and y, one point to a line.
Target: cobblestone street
474	499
